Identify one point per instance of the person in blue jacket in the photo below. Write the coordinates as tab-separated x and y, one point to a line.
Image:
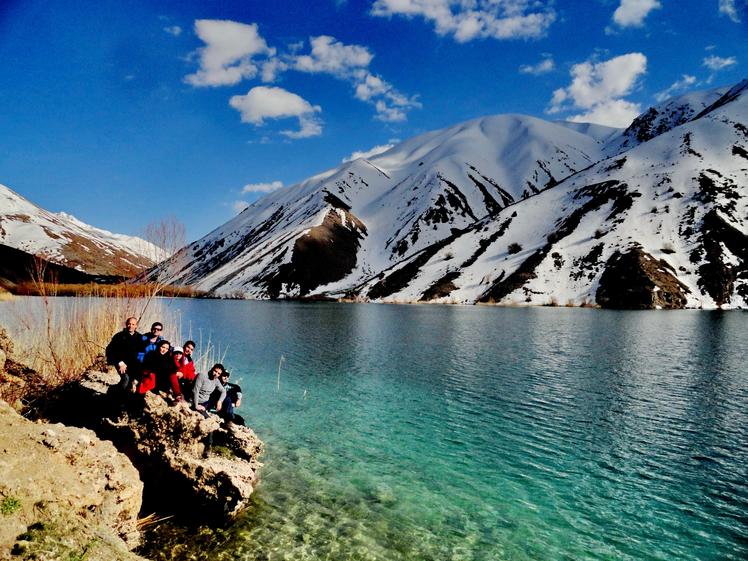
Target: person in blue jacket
151	340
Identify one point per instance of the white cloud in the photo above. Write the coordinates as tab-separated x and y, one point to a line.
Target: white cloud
271	68
227	56
543	67
371	86
466	20
173	30
239	206
390	104
716	63
333	57
594	82
368	153
631	13
727	7
351	63
235	51
262	187
678	86
597	87
612	113
262	103
308	127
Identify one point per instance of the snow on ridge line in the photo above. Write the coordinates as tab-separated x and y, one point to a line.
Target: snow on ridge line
33	229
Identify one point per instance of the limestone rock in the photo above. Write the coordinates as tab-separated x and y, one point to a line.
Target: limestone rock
64	487
166	443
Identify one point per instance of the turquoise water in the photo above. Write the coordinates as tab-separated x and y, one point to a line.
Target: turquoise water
477	433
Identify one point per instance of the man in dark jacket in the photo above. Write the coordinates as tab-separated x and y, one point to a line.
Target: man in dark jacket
122	353
233	399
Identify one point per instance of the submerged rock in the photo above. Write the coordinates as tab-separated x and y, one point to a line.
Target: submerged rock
64	493
167	442
637	281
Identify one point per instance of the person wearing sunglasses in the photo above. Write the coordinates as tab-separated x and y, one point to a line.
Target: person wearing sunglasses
151	340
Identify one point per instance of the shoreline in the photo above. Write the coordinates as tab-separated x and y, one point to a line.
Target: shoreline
9	296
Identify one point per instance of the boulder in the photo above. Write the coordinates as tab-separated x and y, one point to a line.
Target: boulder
64	493
166	441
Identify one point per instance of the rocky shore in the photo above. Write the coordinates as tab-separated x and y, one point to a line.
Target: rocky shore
73	483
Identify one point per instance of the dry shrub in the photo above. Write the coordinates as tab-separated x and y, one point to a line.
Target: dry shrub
118	290
60	338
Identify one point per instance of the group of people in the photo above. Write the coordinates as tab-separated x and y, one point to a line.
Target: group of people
149	363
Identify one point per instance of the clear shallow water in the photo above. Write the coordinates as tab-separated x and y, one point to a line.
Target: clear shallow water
476	433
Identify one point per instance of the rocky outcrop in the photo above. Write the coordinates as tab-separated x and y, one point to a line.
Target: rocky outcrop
324	254
637	281
64	494
166	442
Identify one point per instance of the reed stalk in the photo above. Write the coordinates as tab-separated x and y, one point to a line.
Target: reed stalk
280	363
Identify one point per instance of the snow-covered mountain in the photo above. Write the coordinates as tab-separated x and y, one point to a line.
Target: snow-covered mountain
510	209
663	117
65	240
343	226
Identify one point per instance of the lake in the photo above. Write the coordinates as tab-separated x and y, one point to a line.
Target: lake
483	433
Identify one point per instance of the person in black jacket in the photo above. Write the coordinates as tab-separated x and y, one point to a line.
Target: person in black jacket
233	399
122	353
158	367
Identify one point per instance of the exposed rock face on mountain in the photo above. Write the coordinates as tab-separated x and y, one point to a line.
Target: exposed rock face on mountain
65	494
166	443
510	210
636	280
65	240
665	117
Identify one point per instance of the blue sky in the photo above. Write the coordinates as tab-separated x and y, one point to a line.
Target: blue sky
123	113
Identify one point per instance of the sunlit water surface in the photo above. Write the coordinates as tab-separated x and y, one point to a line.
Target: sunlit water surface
482	433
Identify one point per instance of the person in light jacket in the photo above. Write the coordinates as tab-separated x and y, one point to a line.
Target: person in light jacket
205	384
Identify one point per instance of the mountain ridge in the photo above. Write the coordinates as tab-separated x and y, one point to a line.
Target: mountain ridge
405	225
63	239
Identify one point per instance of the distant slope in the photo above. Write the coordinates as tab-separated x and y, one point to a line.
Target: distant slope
18	267
65	240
